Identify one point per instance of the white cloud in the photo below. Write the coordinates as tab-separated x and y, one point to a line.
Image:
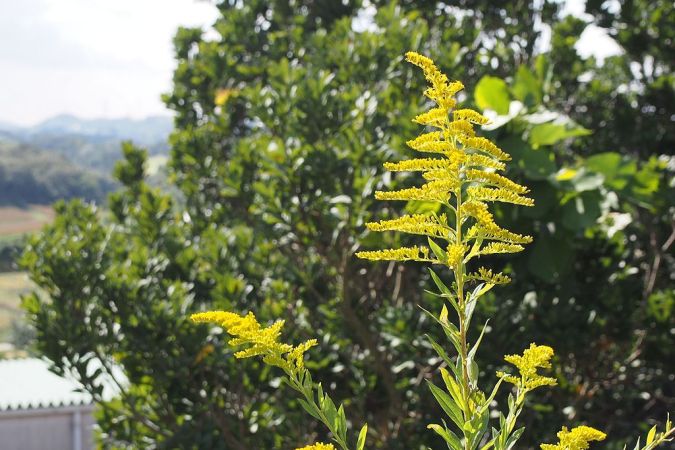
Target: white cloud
91	58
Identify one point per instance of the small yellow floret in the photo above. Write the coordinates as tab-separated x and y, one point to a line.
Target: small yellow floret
498	195
397	254
500	247
430	143
435	117
415	224
434	191
471	116
475	160
417	165
533	358
486	146
488	277
576	439
461	129
318	446
494	179
456	254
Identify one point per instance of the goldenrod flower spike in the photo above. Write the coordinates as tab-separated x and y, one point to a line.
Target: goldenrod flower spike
533	358
415	224
462	176
576	439
460	170
399	254
318	446
246	331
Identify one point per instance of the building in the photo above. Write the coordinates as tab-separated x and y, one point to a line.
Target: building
40	410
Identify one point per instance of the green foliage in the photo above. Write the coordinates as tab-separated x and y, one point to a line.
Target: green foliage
275	186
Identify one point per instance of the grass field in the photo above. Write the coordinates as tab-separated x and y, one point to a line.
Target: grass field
12	286
16	222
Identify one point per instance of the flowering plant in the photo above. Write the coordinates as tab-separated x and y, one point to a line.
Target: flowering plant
463	177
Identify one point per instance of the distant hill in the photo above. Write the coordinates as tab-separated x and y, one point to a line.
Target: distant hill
29	175
146	131
92	143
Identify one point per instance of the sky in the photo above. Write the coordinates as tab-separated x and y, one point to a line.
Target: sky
112	58
91	58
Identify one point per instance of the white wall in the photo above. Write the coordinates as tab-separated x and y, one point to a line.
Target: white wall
46	429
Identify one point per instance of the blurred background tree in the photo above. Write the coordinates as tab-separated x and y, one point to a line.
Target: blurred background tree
284	113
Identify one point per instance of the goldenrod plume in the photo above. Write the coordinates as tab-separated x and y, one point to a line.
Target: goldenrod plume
576	439
318	446
246	331
533	358
462	176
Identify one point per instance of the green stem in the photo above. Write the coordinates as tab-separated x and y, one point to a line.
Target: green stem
308	394
511	419
459	278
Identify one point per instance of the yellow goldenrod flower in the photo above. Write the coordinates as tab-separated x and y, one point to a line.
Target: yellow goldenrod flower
471	116
318	446
533	358
441	90
417	165
456	254
464	171
436	117
434	191
484	145
246	331
500	247
415	224
494	179
461	129
476	160
397	254
430	143
500	234
441	174
479	211
487	276
498	195
576	439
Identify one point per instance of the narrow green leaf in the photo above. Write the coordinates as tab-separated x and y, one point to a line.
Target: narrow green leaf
439	350
486	403
341	421
445	291
450	438
481	422
448	404
474	349
451	331
361	442
453	388
311	409
511	441
439	252
651	435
